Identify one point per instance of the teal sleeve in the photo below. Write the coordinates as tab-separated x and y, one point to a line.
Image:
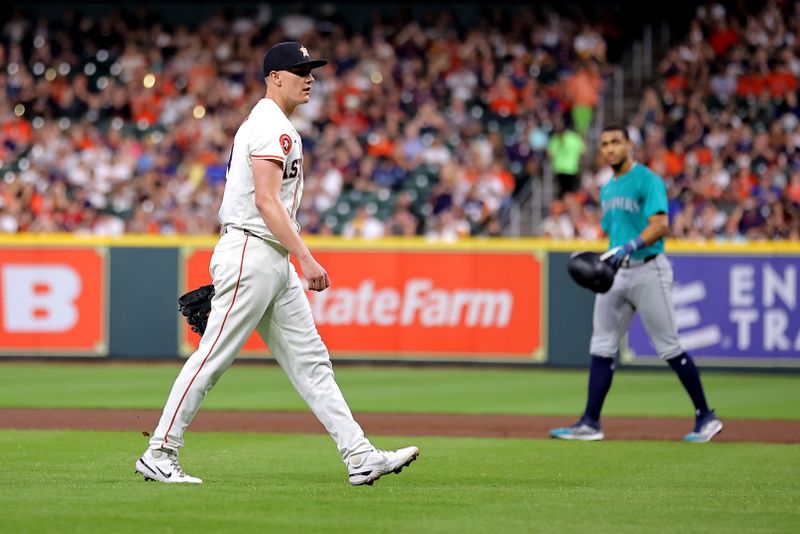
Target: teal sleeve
655	196
604	215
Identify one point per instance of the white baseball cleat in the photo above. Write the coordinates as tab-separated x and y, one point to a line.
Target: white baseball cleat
162	465
366	468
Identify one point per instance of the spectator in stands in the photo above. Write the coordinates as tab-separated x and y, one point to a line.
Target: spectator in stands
364	224
134	112
590	45
583	92
449	225
565	149
387	173
403	222
558	224
128	120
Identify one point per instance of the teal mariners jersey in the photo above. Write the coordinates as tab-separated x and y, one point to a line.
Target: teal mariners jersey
627	202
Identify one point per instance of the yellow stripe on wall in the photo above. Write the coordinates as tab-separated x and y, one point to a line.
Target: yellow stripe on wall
399	243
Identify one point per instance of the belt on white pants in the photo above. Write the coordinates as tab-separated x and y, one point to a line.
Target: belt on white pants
277	246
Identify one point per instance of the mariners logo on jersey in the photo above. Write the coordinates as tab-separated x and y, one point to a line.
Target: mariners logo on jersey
627	202
620	203
286	144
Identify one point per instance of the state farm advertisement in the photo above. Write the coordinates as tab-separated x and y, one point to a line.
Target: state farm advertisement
437	305
53	301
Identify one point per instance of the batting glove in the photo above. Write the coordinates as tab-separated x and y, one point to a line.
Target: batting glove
618	256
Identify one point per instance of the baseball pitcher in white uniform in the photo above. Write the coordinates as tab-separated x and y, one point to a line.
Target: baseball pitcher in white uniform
257	288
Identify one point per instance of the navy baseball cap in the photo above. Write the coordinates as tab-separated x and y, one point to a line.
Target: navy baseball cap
285	56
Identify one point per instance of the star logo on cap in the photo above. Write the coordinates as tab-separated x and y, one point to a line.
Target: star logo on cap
304	51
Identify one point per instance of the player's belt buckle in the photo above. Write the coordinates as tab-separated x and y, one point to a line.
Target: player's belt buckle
227	228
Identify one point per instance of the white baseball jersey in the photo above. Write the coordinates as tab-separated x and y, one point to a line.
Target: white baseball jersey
257	288
265	134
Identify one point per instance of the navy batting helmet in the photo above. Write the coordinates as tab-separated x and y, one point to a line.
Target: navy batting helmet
590	272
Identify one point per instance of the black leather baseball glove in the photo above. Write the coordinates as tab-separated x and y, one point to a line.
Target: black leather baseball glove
195	306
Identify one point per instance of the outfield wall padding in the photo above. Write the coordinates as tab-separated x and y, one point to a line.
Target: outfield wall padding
398	300
142	316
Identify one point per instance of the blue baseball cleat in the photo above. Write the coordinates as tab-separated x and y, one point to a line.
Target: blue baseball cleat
580	431
705	428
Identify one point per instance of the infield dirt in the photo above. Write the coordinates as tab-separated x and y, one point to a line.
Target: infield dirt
398	424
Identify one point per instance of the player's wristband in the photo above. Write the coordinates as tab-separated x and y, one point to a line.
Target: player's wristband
634	244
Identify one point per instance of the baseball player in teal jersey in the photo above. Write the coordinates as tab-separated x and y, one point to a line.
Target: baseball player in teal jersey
634	207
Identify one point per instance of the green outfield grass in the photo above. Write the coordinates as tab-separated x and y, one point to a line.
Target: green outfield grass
84	482
401	389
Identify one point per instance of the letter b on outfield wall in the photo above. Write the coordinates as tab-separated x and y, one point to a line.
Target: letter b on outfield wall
53	301
40	298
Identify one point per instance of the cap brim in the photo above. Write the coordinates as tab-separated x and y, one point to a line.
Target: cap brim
310	64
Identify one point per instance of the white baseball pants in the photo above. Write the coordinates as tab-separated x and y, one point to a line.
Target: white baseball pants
257	287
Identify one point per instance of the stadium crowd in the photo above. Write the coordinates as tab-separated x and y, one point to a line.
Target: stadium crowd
722	126
122	123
